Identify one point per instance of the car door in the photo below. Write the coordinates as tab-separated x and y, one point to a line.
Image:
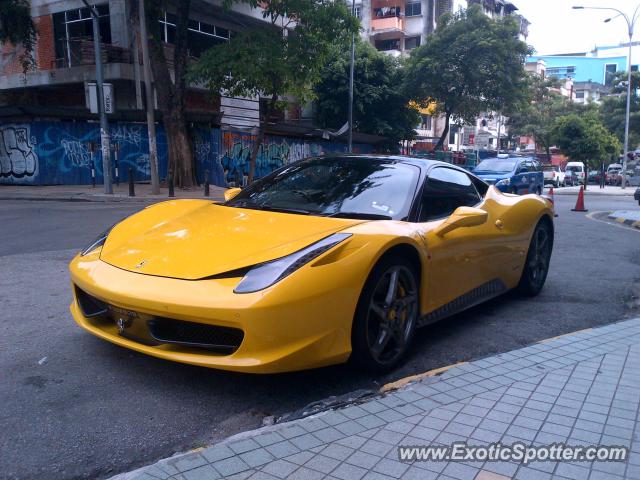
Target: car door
461	260
520	181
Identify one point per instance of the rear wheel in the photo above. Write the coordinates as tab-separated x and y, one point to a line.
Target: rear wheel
536	266
514	190
386	315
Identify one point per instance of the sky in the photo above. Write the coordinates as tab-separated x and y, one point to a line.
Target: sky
557	28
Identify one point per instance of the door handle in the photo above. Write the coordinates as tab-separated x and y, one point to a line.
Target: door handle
499	224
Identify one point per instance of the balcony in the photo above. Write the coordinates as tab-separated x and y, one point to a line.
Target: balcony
80	51
388	24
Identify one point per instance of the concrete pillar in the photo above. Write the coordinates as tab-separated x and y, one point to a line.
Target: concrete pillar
120	25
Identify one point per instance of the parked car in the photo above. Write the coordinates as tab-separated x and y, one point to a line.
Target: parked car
594	176
553	175
518	175
570	178
578	169
390	243
633	178
637	195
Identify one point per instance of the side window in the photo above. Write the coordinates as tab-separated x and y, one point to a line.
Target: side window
525	167
445	190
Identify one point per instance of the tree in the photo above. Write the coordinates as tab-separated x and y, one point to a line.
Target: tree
535	118
380	107
17	28
284	57
471	64
583	138
613	108
171	90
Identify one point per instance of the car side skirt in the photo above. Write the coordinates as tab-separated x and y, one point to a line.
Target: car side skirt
478	295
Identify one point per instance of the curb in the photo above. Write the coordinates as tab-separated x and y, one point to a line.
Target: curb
626	221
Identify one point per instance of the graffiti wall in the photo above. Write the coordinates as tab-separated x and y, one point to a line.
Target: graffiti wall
274	152
51	153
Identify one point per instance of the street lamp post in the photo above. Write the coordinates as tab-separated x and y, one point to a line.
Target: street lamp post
104	124
352	62
631	23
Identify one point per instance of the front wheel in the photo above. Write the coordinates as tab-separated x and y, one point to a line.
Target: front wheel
536	265
386	315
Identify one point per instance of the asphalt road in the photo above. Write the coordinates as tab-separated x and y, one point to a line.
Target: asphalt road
73	406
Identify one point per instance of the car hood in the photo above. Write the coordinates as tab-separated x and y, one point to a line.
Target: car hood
195	240
492	177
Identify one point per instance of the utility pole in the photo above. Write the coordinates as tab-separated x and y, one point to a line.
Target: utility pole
149	100
631	23
104	124
351	75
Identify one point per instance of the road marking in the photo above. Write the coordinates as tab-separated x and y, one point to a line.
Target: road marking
413	378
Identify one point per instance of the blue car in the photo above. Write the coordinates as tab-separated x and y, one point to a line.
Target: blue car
509	174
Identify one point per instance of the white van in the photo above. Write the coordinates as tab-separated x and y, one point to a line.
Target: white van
577	169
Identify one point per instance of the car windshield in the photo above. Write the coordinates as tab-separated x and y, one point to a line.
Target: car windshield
574	169
347	187
550	168
497	165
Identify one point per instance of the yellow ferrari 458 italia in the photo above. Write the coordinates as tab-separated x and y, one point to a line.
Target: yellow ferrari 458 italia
324	260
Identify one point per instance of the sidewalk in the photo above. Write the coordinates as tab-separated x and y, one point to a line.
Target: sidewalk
628	217
579	389
86	193
595	190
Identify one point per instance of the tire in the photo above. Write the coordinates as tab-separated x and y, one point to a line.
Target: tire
536	265
539	191
514	190
386	317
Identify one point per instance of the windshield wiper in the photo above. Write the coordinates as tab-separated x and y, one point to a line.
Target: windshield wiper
256	206
360	215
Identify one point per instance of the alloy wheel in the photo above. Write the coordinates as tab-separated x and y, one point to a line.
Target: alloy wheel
392	313
540	256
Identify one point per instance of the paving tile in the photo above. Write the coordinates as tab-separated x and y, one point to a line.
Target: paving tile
258	457
340	452
322	463
303	473
363	459
307	441
424	433
459	429
206	472
349	472
280	468
229	466
572	471
245	445
188	462
282	449
392	468
217	452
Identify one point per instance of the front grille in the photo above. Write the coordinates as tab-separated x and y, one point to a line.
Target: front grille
152	330
90	305
225	339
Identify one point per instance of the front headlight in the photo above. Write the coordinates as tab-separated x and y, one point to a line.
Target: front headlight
98	242
504	182
266	274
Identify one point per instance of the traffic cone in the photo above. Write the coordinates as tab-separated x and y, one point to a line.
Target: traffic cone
580	203
553	201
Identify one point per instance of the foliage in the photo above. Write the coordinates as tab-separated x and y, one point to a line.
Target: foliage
285	57
613	108
584	138
17	28
471	64
380	107
536	117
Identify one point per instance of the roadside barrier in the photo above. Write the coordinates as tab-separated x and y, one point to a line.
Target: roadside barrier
580	202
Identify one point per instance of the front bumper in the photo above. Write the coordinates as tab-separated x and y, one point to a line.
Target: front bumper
302	322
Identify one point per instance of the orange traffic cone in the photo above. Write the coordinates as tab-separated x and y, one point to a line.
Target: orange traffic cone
553	201
580	203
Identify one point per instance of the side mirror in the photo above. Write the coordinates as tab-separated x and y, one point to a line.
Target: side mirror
462	217
230	193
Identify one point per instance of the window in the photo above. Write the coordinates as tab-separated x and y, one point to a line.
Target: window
411	42
200	36
561	72
580	94
445	190
610	70
383	12
413	9
358	12
386	45
425	122
77	24
634	68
